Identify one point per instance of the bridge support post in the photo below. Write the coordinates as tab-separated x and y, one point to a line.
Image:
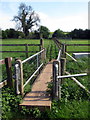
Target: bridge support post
19	77
56	81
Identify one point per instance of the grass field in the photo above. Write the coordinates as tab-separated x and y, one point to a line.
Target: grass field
47	44
75	101
77	48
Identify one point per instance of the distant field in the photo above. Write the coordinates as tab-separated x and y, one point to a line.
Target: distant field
47	43
77	48
74	41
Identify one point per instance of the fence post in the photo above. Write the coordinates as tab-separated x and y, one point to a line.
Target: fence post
26	49
41	44
9	72
37	61
64	50
43	54
21	88
63	67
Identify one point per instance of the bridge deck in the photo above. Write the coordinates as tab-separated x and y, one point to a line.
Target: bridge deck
38	97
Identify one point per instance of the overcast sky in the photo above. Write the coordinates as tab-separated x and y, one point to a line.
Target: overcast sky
66	15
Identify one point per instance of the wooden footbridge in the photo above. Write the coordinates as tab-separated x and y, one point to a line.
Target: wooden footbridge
53	71
39	97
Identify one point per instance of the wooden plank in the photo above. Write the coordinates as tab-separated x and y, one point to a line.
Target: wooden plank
38	97
19	44
78	51
20	51
77	44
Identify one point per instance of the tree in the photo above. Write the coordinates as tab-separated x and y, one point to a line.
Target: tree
4	35
26	18
58	33
44	31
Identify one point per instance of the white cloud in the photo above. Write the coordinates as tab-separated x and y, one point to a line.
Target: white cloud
67	23
6	21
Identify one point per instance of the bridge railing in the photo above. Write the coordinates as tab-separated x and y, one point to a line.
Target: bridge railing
59	71
20	84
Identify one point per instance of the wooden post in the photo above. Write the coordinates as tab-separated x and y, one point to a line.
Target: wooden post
63	67
26	49
19	62
9	72
63	50
56	81
59	80
43	54
41	44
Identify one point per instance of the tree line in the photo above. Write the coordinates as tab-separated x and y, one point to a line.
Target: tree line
46	34
12	33
27	19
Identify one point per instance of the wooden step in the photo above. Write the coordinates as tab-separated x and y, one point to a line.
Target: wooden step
38	97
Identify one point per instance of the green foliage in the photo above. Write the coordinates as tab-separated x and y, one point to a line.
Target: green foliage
10	103
10	33
80	34
50	88
74	103
44	31
58	34
69	110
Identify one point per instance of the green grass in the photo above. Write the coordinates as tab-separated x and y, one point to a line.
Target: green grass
47	44
75	41
75	101
77	48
